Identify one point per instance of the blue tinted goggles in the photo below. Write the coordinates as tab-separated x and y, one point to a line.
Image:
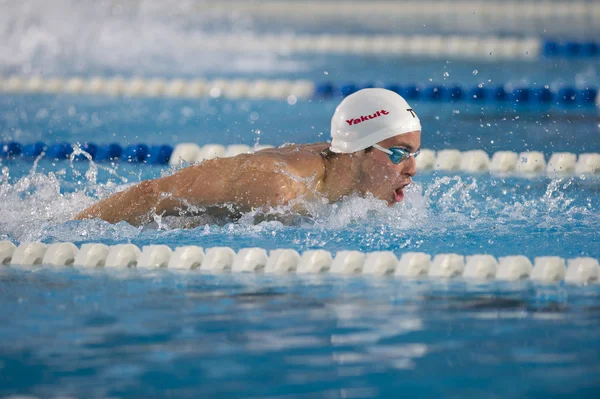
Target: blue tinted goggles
397	154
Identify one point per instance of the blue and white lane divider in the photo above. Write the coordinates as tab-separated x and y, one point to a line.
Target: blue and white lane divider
292	91
491	48
544	269
450	160
564	96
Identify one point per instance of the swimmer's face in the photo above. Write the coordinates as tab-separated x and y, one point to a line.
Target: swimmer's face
384	179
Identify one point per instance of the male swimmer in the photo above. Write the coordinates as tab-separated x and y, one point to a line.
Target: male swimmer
375	138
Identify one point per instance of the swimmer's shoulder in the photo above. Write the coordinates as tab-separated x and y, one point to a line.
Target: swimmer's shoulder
303	160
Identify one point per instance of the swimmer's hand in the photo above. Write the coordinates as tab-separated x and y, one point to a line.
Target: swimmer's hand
248	182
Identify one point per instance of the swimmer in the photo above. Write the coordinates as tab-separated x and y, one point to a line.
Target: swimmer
375	138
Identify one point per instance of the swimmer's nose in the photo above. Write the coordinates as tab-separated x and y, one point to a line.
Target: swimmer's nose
410	166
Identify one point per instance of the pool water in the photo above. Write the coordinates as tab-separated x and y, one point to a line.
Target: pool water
157	334
136	333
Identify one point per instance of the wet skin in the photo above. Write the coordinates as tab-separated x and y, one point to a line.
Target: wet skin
287	176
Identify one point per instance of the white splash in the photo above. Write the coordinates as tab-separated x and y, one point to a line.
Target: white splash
69	37
39	206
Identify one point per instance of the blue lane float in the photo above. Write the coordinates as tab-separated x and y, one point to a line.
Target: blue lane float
90	148
570	49
10	149
108	152
59	151
137	153
563	97
160	155
33	150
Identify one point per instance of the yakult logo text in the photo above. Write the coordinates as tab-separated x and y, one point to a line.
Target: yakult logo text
367	117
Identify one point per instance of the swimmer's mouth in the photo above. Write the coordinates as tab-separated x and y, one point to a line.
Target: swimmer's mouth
399	193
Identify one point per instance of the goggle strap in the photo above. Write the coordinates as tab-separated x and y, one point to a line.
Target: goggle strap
380	148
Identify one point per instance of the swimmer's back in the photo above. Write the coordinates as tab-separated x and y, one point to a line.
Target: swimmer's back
304	161
268	178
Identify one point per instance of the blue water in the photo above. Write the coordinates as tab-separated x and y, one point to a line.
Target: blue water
138	333
163	334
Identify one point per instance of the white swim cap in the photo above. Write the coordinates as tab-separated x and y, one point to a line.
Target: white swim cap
368	117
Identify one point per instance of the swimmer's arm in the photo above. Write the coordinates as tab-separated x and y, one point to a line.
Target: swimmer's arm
133	205
256	182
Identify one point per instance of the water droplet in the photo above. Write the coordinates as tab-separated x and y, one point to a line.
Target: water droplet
446	74
325	73
291	100
475	71
480	85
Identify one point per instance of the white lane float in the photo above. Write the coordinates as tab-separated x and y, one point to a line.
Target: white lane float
513	268
122	256
218	259
548	269
480	267
529	163
545	270
562	163
447	160
315	261
347	262
7	249
380	263
154	256
60	254
447	266
29	254
91	255
582	271
504	162
413	264
250	260
189	257
282	261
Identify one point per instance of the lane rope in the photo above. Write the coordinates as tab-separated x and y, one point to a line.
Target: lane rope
491	48
449	160
445	13
544	269
293	90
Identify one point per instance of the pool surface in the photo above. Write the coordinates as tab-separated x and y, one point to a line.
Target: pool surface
69	332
